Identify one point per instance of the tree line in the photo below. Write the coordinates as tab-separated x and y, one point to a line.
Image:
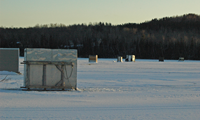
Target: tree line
169	37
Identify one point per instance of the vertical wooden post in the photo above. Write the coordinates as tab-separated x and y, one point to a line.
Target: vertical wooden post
44	76
27	84
62	76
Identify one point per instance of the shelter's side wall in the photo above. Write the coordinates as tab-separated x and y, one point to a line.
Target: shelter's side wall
9	59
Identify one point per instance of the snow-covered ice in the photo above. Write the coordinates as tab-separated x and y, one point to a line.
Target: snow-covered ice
141	90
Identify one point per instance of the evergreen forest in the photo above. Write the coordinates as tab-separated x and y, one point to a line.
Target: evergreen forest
168	37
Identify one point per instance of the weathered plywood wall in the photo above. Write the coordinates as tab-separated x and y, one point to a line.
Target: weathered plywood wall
9	59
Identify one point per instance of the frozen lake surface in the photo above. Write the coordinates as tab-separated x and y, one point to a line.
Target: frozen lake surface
145	89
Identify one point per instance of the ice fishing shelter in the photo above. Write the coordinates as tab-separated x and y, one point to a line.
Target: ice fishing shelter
93	58
181	59
9	59
50	68
161	59
130	58
119	59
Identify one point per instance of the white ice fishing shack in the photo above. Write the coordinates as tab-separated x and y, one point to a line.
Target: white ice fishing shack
50	68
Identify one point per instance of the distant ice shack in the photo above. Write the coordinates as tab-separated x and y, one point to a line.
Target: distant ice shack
50	68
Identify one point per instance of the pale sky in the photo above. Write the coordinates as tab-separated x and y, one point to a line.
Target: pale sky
28	13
